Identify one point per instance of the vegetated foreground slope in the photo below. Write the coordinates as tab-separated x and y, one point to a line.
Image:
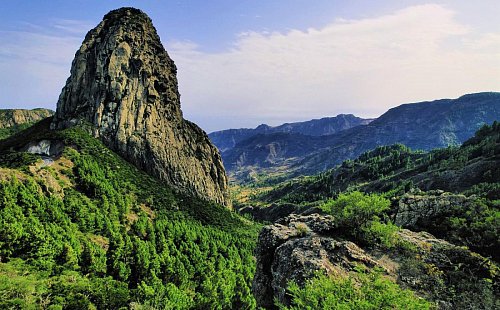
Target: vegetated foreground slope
415	182
356	258
91	229
82	228
362	247
15	120
227	139
425	126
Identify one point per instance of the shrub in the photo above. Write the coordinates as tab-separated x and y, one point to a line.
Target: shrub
356	209
358	215
382	233
357	291
301	229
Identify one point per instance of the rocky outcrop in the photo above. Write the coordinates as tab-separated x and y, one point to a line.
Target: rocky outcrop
17	117
124	83
44	147
417	208
296	247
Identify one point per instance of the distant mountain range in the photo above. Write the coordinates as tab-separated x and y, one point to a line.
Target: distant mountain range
423	125
227	139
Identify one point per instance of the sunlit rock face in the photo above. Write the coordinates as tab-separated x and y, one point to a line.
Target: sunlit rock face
124	83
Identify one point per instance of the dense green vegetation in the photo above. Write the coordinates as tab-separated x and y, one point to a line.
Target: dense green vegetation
358	291
395	169
359	217
9	131
106	235
475	224
93	232
463	280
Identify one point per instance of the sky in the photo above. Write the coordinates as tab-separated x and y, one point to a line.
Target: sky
247	62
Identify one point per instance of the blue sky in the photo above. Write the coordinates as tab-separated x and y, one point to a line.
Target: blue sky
242	63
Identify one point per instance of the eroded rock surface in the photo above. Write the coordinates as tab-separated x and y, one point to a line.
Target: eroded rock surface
417	208
294	249
124	83
297	247
44	147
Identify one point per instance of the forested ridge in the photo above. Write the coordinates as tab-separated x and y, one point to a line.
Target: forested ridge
471	167
470	171
92	231
88	230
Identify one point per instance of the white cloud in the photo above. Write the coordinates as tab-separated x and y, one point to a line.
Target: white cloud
362	66
350	66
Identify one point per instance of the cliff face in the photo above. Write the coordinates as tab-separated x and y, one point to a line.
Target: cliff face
124	83
17	117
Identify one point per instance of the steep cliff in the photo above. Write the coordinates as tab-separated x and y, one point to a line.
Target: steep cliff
124	83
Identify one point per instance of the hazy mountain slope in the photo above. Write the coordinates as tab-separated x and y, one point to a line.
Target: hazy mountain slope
424	125
227	139
265	150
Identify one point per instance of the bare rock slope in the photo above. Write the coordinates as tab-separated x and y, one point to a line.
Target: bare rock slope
124	83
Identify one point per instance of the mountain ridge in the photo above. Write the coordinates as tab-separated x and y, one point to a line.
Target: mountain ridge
424	125
226	139
15	120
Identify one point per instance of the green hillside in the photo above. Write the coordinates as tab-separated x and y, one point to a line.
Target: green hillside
89	230
472	167
392	171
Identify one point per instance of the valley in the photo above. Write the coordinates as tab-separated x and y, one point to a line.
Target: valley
420	126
